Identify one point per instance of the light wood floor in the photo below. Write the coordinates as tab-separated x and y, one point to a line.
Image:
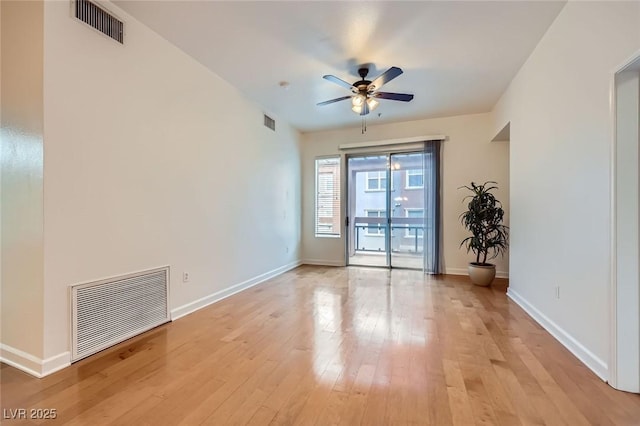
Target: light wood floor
322	345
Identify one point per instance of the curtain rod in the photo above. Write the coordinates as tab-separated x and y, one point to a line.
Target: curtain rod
392	142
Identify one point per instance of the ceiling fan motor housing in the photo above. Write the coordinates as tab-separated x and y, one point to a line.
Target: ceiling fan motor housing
362	86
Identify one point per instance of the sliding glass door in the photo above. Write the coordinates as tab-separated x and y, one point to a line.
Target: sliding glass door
387	210
367	178
407	210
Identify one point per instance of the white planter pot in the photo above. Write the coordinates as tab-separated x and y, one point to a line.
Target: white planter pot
482	275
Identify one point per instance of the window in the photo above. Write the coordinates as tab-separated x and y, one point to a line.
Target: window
414	228
415	179
328	197
375	229
376	181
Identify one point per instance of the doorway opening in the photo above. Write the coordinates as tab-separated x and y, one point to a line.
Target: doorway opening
624	360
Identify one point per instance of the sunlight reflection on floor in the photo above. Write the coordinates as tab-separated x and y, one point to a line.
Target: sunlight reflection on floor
369	322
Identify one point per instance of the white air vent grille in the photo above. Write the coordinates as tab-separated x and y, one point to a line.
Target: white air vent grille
100	19
269	122
110	311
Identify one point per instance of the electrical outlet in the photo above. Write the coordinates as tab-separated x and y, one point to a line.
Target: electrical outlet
557	292
185	277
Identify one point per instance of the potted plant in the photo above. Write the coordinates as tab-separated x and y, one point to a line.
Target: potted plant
489	237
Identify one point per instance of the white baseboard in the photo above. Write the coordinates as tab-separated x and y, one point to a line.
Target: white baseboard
31	364
56	363
456	271
191	307
464	271
588	358
21	360
322	262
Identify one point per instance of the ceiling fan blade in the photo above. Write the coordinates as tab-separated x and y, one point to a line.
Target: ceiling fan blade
338	81
404	97
333	100
386	77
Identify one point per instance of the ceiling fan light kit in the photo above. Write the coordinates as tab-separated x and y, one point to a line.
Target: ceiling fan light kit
360	105
357	100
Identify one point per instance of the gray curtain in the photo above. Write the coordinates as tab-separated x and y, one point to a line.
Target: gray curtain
433	209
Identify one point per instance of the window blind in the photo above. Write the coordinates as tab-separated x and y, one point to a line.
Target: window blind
327	221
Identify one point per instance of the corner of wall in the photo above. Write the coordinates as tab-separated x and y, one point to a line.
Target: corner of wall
501	116
22	241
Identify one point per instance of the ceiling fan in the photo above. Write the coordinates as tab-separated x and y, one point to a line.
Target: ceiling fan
365	92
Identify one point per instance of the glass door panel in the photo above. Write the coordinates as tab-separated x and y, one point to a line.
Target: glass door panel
407	210
368	233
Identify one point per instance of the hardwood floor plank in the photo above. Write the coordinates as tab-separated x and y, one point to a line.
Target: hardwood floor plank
459	403
329	346
355	405
263	416
526	411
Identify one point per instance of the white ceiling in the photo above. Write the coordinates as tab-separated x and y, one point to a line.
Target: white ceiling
457	57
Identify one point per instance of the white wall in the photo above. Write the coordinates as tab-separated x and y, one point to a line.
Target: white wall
559	109
467	155
151	159
22	232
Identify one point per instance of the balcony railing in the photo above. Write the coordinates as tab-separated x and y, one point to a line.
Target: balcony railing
403	236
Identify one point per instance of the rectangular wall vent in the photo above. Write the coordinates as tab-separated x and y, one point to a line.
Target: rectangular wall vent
270	122
108	312
100	19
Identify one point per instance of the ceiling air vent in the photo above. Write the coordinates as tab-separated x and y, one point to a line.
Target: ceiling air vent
100	19
269	122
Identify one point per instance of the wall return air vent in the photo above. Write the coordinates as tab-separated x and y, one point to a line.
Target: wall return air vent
269	122
110	311
100	19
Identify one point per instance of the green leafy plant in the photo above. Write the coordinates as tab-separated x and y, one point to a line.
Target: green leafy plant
483	219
